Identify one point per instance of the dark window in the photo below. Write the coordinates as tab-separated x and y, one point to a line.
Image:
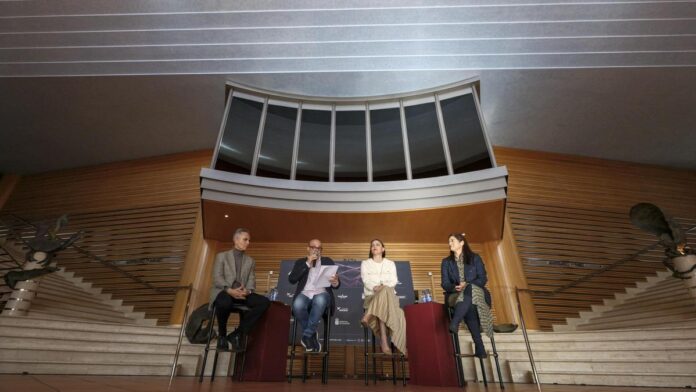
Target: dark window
387	145
351	148
464	134
424	141
239	139
315	146
275	157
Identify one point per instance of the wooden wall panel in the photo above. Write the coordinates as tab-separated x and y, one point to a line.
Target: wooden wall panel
140	211
165	180
563	210
570	218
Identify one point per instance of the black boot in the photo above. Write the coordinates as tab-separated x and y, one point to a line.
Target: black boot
480	350
222	344
235	339
454	326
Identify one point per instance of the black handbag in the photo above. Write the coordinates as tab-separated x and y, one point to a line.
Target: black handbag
198	324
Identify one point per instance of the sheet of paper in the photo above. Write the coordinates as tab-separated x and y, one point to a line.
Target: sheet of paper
325	273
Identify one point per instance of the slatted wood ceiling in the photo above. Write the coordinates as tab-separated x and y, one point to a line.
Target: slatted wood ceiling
571	213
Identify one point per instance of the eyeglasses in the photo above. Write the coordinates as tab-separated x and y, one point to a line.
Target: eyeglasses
315	247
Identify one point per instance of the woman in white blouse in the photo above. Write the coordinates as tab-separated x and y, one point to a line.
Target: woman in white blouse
382	312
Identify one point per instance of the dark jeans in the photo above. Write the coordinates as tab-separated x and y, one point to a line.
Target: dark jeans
309	311
466	311
225	303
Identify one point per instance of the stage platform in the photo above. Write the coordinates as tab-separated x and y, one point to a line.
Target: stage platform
76	383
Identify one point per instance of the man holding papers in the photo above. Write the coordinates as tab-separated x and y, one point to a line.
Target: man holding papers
316	278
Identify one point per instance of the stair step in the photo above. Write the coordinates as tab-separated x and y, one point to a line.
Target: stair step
655	304
660	292
619	366
86	326
48	367
668	332
88	302
633	323
71	292
42	302
41	309
79	295
599	345
577	354
30	333
97	346
619	379
59	281
677	308
24	355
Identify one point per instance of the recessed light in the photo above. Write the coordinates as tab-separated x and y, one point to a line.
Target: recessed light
227	216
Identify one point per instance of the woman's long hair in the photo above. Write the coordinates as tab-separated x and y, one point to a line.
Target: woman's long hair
466	250
369	252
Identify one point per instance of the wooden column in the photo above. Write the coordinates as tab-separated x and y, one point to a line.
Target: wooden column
7	185
196	271
505	272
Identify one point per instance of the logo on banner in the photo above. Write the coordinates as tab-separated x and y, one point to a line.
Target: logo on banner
342	296
340	309
338	321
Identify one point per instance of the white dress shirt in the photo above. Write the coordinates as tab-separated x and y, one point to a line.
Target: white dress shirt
310	288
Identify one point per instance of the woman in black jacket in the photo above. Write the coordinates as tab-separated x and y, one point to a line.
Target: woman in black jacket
462	270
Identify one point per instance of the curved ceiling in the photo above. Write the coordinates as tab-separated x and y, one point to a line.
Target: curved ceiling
86	82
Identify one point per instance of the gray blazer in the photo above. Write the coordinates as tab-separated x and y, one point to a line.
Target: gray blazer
225	273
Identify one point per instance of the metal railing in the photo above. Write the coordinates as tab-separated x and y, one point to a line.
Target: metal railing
609	267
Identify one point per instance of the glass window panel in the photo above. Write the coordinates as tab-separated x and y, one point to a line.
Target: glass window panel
275	157
351	147
424	141
315	146
387	145
236	148
464	134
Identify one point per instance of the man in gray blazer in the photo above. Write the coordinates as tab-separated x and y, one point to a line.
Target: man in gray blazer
234	283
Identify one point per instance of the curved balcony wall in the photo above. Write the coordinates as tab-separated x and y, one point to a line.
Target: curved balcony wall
425	151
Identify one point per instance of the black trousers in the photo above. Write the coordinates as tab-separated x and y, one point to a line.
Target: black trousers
224	304
466	311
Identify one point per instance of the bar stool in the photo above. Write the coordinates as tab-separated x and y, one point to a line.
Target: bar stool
458	354
326	318
239	309
374	354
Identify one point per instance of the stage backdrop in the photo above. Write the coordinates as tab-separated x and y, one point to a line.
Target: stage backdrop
346	328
